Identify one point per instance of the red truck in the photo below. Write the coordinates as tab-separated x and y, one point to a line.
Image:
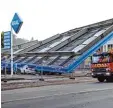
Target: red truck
102	66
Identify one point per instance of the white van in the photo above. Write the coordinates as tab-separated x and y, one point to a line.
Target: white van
26	70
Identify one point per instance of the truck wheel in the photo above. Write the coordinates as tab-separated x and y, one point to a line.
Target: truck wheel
101	79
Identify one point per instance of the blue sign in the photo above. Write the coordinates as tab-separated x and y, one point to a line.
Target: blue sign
7	40
16	23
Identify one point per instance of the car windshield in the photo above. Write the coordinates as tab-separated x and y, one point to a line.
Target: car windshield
101	59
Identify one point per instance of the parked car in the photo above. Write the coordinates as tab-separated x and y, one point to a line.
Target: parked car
27	70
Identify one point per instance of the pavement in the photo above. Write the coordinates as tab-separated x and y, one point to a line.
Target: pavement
32	77
79	95
23	81
36	83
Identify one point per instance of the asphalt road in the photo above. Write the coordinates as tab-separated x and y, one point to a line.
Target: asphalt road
81	95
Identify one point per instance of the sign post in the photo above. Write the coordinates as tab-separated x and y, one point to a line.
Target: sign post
16	24
11	53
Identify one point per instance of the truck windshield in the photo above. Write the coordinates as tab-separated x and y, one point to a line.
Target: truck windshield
101	59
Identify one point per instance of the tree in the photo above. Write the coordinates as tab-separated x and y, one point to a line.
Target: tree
2	39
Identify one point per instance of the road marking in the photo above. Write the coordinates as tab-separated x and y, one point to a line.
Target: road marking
59	94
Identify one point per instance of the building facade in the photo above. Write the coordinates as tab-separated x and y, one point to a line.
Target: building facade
108	46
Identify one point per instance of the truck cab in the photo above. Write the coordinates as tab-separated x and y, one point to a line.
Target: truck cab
102	66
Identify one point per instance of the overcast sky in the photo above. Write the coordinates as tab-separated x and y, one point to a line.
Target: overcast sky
45	18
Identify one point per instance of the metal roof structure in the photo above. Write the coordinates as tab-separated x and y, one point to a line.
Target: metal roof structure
64	52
